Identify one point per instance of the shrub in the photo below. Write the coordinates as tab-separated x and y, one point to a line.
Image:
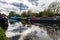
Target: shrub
2	35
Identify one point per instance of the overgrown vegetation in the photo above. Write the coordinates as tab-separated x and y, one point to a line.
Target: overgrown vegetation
2	35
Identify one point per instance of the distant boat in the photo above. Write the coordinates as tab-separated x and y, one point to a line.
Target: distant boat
47	20
15	18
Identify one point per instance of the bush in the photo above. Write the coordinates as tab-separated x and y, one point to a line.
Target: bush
2	35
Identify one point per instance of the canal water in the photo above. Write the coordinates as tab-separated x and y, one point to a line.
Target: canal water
19	31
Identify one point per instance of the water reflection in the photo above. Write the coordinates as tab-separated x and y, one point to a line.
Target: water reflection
53	30
34	31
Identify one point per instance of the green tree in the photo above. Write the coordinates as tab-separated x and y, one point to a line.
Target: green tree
12	13
54	7
40	14
50	14
57	14
17	15
29	13
34	14
46	13
24	14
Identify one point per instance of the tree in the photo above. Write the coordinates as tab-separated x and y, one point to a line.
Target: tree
57	14
40	14
54	7
17	15
12	13
34	14
46	13
29	12
50	14
24	14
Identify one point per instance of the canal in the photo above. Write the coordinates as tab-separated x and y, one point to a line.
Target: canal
36	31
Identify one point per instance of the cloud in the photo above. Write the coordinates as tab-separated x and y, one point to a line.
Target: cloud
3	2
6	6
11	1
27	3
16	4
36	5
23	7
34	2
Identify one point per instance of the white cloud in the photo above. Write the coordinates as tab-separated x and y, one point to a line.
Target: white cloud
27	3
42	4
7	6
10	1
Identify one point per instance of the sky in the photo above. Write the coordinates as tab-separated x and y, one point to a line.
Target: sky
9	5
36	5
20	5
10	1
